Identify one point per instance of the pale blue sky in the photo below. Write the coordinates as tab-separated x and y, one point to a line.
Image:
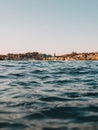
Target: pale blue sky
48	26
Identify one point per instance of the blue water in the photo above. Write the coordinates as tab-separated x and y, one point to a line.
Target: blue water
48	95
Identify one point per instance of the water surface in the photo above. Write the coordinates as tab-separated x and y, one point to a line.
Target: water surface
49	95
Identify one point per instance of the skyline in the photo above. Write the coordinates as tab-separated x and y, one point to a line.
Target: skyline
48	26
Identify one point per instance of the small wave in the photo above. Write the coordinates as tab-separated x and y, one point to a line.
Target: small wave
12	125
53	99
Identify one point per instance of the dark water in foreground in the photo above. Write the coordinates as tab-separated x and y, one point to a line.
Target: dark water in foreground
39	95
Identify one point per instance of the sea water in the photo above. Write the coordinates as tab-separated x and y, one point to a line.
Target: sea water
48	95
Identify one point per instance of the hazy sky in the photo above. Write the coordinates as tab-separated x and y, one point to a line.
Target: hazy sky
48	26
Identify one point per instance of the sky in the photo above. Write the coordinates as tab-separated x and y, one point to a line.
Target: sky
48	26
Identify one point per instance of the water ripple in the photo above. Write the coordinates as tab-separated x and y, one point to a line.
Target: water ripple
49	95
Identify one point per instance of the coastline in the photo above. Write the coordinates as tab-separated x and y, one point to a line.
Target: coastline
48	57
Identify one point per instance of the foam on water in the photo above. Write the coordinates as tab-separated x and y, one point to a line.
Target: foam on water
49	95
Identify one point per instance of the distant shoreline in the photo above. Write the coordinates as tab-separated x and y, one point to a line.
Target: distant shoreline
46	57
